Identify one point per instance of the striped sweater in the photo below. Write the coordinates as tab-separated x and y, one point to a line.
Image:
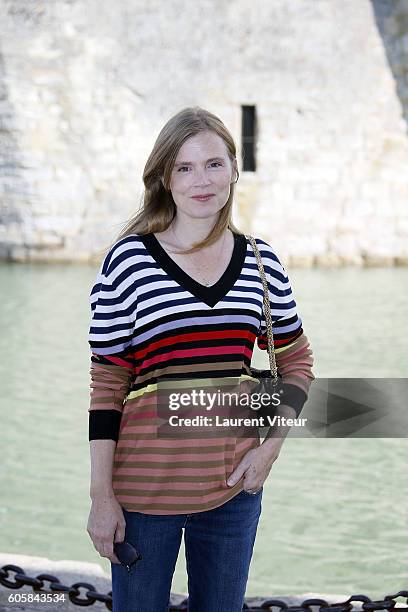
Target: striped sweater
152	324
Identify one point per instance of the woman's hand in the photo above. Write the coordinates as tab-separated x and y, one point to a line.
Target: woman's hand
106	525
256	465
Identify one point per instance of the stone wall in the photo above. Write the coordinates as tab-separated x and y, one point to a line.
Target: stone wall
86	85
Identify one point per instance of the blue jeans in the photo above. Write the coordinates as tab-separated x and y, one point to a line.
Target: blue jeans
218	547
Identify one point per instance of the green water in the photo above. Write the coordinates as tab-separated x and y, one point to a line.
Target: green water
334	514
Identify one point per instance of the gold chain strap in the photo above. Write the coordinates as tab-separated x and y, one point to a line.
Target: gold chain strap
267	310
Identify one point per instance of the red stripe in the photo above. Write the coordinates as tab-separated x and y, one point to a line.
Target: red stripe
194	337
263	340
119	361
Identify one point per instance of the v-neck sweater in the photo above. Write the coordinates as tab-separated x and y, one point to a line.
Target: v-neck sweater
153	324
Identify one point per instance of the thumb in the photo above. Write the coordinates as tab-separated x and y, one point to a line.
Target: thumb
119	533
236	474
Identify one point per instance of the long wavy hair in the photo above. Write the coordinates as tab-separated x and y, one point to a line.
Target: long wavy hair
158	208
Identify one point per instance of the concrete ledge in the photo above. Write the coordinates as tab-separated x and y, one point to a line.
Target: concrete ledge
68	572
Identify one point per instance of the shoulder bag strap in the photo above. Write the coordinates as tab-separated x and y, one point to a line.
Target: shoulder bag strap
267	310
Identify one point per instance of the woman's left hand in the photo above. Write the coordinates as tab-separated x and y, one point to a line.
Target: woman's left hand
256	465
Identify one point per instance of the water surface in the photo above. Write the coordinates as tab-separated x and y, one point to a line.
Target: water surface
334	511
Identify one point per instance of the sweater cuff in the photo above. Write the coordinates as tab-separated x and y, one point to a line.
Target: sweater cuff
293	396
104	424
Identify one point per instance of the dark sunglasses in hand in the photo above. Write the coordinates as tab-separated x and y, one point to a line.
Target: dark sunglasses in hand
126	553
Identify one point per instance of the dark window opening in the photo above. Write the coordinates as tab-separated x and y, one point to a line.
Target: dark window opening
248	131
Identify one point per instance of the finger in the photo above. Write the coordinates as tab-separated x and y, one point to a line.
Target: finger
113	558
120	532
251	485
106	546
107	553
237	474
252	488
253	481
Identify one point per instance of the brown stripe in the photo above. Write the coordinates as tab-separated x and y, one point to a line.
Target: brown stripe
168	492
193	368
103	402
210	435
143	422
176	451
174	464
169	479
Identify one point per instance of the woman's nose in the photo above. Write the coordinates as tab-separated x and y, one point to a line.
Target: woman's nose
201	178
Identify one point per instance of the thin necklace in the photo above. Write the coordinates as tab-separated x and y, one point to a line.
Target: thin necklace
207	282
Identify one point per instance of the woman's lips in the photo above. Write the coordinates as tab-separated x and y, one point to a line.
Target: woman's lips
203	198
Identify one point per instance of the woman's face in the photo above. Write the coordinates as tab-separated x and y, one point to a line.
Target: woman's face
202	167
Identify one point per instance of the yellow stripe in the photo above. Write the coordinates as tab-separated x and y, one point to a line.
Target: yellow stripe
285	348
202	382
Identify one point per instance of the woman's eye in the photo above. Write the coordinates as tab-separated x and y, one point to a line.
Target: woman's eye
187	167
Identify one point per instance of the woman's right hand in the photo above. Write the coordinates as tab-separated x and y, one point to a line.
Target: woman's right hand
106	525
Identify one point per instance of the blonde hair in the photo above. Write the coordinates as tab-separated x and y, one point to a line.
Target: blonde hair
158	207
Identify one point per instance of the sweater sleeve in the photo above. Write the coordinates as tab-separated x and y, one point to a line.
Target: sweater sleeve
294	363
110	382
293	354
113	315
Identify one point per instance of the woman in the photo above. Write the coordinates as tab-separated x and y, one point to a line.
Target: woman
178	297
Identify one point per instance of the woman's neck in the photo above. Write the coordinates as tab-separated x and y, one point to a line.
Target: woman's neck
183	234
